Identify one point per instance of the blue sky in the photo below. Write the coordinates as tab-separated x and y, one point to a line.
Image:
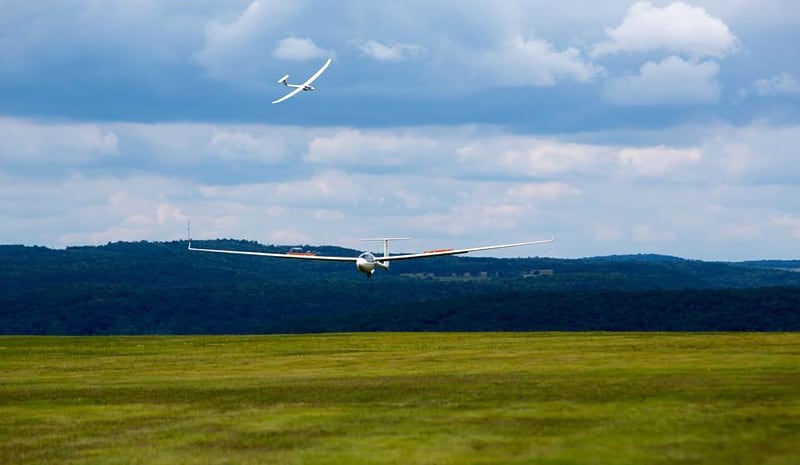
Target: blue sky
621	126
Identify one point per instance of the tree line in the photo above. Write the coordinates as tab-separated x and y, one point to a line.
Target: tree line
161	288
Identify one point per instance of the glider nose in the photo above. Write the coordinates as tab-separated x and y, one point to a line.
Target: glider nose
366	263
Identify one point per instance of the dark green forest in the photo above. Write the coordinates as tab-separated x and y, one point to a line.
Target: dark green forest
161	288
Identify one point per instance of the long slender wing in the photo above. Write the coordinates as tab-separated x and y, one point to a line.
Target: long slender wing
277	255
289	95
443	252
318	73
300	87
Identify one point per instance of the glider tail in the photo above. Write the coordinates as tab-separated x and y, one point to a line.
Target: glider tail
385	240
284	80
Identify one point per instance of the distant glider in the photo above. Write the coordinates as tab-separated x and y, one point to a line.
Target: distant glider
306	86
367	262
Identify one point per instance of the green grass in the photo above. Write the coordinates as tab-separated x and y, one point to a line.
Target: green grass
506	398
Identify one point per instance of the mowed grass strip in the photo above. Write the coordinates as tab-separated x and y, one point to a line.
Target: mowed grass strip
428	398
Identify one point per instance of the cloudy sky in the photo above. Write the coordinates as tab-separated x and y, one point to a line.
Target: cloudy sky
621	126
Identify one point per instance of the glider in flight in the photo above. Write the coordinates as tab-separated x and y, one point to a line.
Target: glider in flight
306	86
367	262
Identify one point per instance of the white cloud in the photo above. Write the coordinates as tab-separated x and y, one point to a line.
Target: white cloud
758	154
675	28
166	212
241	145
658	161
55	143
551	157
788	221
392	51
295	48
320	189
520	61
672	81
517	156
607	233
72	39
92	210
451	186
219	152
538	192
473	210
535	157
160	51
782	84
373	148
233	50
649	234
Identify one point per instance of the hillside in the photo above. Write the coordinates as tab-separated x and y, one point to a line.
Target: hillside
161	288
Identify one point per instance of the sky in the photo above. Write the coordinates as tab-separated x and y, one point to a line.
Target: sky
617	126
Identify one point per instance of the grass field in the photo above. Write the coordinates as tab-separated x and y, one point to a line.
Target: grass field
551	398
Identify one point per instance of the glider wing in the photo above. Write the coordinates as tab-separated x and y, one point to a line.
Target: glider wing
278	255
443	252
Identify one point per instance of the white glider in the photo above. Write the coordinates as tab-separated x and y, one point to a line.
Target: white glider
367	262
306	86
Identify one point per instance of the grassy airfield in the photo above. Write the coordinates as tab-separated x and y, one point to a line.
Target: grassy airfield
551	398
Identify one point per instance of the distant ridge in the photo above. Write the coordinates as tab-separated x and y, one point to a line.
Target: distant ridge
161	288
242	244
775	264
646	258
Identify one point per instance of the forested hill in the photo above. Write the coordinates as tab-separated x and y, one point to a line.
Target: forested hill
161	288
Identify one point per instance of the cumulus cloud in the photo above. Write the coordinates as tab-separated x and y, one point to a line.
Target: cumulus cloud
647	233
82	58
134	218
671	81
294	48
211	152
320	189
535	157
543	191
675	28
782	84
241	145
520	61
473	210
562	160
392	51
233	50
658	161
82	39
56	143
373	148
758	154
456	186
82	209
